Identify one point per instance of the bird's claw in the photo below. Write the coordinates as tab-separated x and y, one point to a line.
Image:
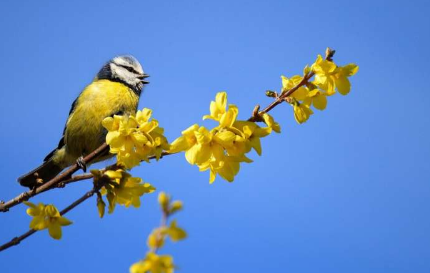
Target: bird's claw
81	163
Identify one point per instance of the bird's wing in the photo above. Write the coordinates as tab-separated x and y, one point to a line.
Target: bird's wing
61	142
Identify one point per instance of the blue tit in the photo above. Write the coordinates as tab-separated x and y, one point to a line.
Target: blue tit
114	91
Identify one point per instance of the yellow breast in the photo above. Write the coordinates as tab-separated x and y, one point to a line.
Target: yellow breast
102	98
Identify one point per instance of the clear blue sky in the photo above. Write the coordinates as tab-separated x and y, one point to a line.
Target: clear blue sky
346	192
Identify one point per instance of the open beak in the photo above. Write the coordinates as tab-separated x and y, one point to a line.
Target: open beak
142	78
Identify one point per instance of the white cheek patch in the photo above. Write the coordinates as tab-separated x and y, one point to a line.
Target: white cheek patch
124	75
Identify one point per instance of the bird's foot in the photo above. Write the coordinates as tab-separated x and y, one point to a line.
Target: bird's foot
81	163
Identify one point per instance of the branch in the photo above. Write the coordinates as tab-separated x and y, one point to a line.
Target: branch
53	182
62	179
256	115
17	240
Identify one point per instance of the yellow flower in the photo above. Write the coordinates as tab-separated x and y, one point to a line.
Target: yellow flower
154	263
268	119
302	112
175	233
328	76
175	206
317	98
222	149
219	113
164	200
160	142
156	238
101	207
157	142
324	71
226	166
123	189
135	138
251	134
229	117
122	133
47	217
217	107
287	84
341	78
196	142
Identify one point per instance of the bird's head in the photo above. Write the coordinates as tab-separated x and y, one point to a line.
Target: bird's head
125	69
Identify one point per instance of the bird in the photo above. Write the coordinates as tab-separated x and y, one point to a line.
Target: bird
115	90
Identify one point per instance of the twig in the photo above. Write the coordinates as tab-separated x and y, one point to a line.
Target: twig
17	240
257	116
53	182
61	180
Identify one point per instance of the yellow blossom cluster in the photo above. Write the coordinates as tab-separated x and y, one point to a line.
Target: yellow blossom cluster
222	149
154	263
47	217
328	78
135	138
120	188
161	263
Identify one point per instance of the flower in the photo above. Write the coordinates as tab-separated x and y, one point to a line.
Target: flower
217	107
175	233
154	263
341	78
156	238
227	167
122	189
302	112
175	207
317	98
47	217
222	149
328	76
271	123
196	142
135	138
287	84
324	71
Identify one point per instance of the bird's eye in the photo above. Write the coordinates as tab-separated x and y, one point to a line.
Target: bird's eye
130	69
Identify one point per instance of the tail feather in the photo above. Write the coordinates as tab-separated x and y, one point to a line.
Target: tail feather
46	172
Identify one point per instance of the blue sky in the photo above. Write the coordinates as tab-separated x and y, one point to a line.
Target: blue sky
346	192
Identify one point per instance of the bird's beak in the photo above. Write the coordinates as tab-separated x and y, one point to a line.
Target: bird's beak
142	78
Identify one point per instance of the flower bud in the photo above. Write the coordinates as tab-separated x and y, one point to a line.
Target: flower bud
163	200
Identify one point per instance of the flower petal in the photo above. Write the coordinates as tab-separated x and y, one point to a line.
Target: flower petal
55	230
320	101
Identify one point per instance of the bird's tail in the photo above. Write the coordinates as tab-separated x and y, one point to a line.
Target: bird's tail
41	174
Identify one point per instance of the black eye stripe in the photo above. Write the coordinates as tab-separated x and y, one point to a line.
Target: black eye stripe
131	69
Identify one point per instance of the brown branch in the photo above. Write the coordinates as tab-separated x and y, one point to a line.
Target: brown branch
17	240
53	182
61	180
256	115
